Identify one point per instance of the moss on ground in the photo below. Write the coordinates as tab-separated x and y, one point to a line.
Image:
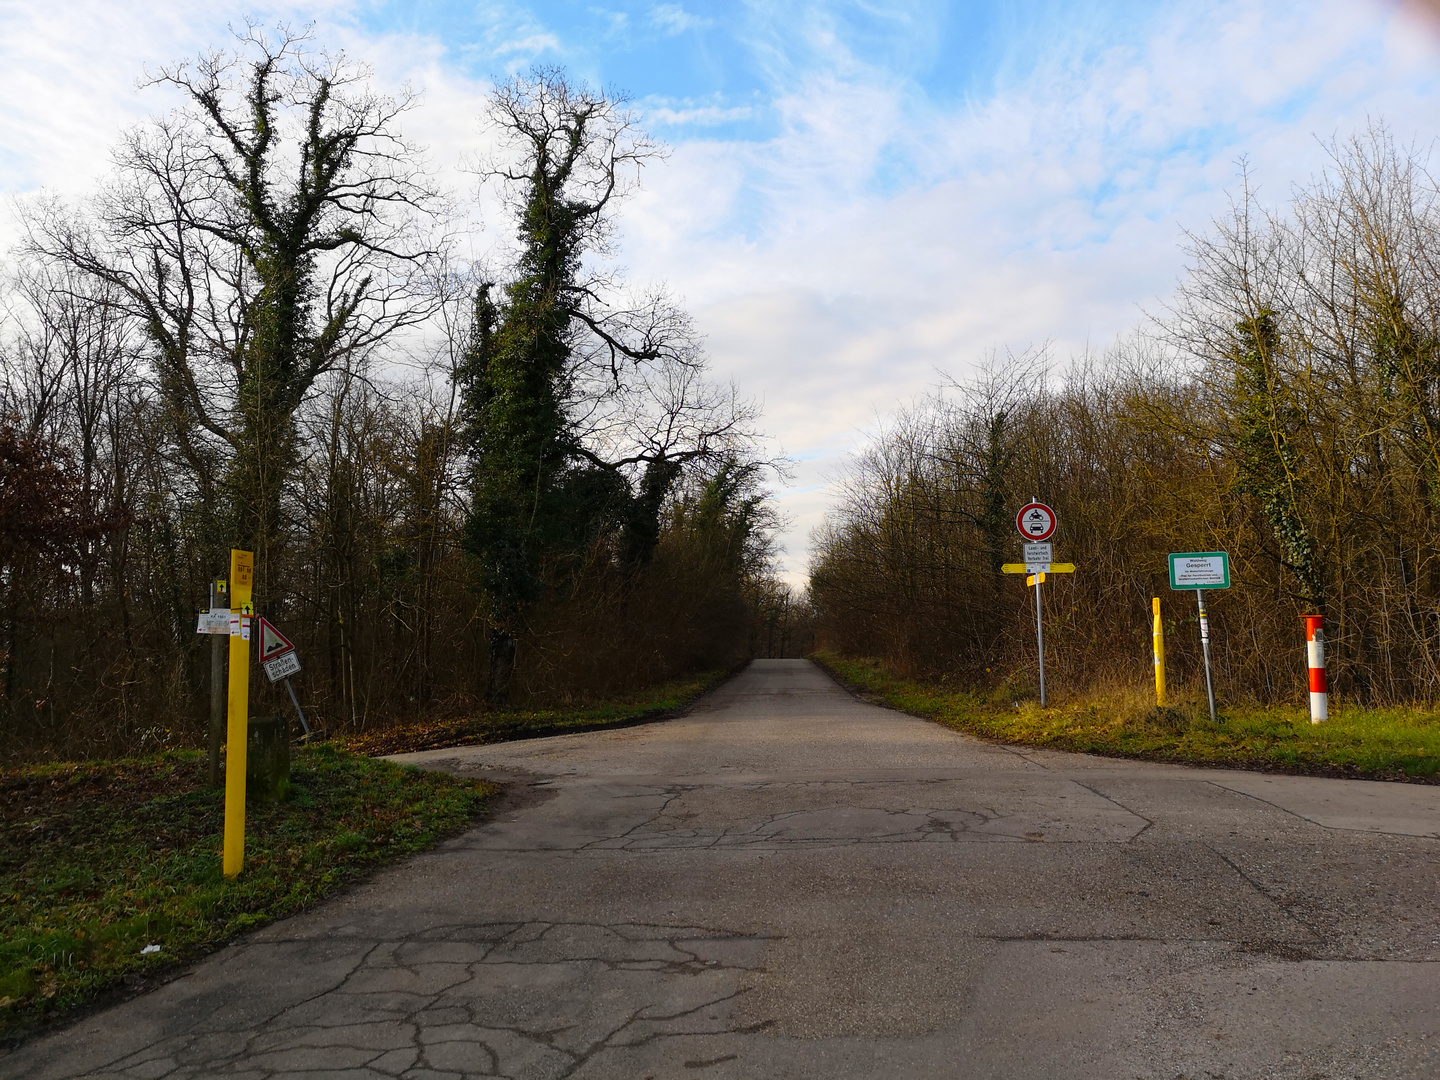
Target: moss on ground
1400	743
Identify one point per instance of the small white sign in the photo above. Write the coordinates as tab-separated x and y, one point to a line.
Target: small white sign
1199	570
1038	558
214	621
240	626
282	667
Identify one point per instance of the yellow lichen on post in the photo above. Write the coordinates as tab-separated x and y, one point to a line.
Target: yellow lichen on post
242	576
1158	637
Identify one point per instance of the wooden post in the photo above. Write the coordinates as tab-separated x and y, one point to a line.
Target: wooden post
242	577
219	598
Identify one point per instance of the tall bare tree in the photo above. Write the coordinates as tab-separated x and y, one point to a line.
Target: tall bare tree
272	228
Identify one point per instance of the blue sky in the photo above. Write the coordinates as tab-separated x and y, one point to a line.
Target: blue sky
860	194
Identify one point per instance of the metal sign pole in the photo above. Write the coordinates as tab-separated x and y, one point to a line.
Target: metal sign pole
1205	645
1040	637
219	598
298	711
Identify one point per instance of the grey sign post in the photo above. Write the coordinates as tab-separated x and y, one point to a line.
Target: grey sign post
215	621
279	659
1036	523
1201	570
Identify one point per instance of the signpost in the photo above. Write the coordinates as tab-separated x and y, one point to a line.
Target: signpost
242	578
1036	523
280	661
216	622
1201	570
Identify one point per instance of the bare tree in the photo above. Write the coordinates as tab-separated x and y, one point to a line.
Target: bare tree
272	229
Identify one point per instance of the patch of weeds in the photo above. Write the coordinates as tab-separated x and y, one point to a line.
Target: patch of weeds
1393	743
503	725
102	861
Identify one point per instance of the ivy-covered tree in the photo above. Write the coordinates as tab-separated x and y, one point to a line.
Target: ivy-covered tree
270	230
582	402
1266	462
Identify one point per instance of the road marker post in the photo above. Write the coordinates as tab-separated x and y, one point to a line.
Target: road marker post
242	578
1201	570
1315	654
1157	639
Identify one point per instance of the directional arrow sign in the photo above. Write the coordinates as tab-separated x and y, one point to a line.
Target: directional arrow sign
272	642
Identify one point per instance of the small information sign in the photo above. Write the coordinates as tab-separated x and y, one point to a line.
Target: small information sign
282	667
214	621
1038	557
1199	570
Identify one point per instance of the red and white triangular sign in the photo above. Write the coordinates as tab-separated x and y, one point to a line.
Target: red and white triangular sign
272	642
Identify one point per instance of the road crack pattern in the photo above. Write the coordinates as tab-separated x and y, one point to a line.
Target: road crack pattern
490	1000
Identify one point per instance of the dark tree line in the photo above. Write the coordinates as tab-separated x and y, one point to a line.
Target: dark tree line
516	485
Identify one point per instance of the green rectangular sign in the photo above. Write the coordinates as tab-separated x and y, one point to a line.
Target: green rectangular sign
1199	570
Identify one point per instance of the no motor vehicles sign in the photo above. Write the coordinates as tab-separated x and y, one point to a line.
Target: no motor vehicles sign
1036	522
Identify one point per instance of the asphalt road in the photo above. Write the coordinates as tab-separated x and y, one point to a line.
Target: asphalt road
791	883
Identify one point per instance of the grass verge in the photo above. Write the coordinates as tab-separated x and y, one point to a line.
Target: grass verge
1401	743
100	860
657	702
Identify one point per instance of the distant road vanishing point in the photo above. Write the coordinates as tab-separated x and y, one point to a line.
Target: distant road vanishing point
791	883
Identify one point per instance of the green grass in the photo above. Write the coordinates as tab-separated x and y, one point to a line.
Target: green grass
653	703
1399	743
100	859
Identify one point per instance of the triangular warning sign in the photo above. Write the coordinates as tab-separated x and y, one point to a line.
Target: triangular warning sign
272	642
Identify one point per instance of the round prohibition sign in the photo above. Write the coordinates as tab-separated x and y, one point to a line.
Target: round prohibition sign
1036	522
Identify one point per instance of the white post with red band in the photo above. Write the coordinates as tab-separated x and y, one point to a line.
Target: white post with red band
1315	648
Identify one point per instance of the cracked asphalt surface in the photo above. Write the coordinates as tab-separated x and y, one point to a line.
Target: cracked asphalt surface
788	882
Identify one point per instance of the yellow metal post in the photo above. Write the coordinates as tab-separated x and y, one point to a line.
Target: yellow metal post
242	577
1158	636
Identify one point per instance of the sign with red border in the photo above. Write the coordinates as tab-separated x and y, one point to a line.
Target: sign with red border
272	642
1036	522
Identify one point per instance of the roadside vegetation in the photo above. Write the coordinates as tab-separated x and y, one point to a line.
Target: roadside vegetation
500	483
1380	743
102	861
1283	406
652	703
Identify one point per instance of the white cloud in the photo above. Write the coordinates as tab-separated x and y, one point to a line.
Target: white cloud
673	19
878	234
1051	211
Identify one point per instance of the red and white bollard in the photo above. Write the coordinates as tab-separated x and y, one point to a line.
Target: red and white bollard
1315	648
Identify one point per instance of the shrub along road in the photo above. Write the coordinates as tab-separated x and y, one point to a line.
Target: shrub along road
789	882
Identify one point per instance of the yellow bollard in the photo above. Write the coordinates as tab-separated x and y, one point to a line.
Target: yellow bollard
242	577
1158	637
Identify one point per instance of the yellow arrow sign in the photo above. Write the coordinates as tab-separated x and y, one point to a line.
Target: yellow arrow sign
1021	568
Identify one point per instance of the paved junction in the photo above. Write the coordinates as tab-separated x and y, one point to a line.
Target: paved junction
791	883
